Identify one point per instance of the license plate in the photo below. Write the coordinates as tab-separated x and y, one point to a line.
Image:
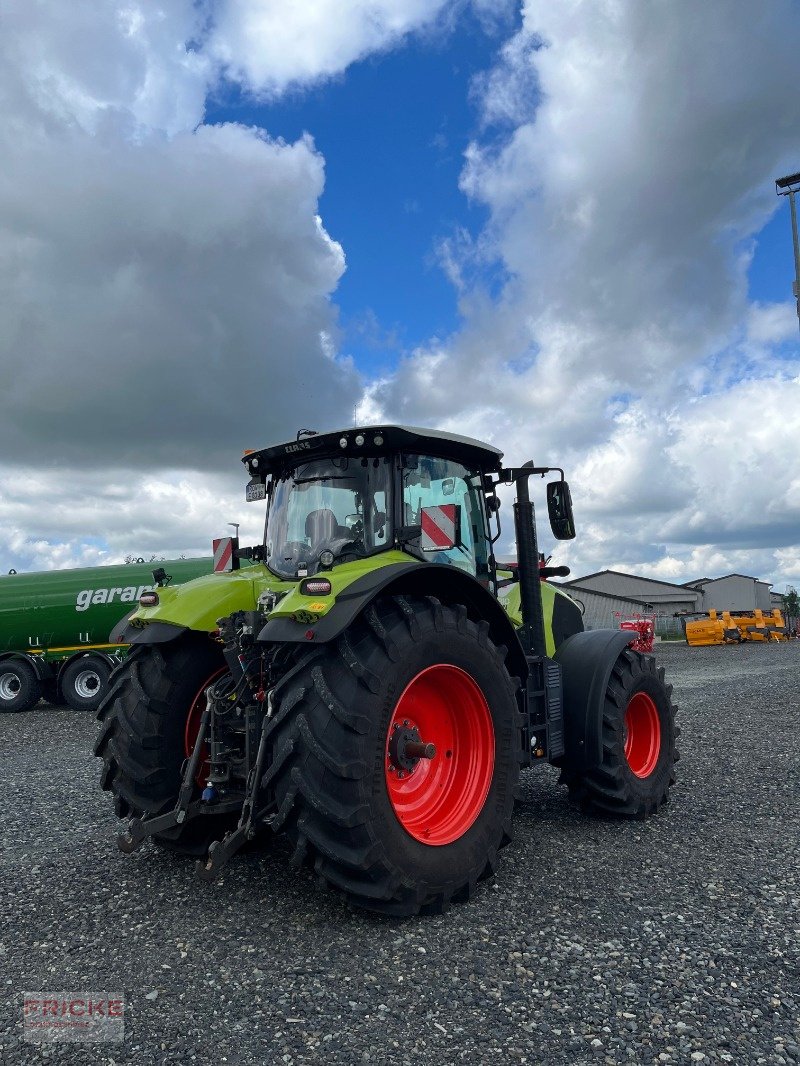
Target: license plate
256	490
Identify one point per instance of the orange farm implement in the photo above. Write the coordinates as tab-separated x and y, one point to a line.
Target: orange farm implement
724	627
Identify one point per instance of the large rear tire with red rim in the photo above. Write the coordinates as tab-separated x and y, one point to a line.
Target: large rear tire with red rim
637	764
395	757
149	721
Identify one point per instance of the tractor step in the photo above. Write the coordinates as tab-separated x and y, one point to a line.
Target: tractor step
545	718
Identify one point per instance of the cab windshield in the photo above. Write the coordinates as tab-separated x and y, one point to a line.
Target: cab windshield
338	505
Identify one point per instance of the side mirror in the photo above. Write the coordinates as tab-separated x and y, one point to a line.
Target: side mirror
559	508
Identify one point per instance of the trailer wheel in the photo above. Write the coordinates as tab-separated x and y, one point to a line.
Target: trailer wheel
395	756
20	688
84	683
152	695
637	766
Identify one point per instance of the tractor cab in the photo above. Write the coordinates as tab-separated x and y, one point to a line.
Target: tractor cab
349	495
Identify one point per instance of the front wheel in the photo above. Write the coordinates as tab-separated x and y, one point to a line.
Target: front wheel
395	756
637	764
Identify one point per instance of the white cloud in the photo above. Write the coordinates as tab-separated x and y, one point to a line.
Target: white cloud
772	323
51	519
269	45
94	63
622	206
166	287
160	281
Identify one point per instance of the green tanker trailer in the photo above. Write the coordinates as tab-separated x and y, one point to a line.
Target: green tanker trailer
55	626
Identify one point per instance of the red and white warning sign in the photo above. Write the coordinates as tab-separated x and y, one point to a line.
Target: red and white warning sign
441	527
224	554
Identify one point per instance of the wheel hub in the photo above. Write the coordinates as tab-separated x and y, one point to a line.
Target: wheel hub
406	749
440	754
86	684
642	735
9	686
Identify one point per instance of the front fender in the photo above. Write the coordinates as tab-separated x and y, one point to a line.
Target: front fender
586	661
195	605
126	632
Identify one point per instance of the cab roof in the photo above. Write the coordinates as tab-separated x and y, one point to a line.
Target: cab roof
377	440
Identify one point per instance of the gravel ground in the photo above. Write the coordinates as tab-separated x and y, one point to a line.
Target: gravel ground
673	940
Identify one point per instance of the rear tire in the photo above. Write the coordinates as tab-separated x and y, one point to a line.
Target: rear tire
637	766
143	739
84	683
20	688
331	768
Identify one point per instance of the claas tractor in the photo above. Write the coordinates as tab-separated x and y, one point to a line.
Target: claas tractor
372	684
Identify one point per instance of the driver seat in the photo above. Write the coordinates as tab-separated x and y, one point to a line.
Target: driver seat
321	525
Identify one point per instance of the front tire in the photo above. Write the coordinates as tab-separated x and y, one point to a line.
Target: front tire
147	717
637	766
396	835
20	688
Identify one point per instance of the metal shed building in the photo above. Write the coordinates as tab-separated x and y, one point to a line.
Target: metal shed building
612	593
734	592
608	594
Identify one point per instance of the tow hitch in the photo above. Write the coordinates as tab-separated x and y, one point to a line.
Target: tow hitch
229	730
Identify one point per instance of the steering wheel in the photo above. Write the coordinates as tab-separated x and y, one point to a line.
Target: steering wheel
295	551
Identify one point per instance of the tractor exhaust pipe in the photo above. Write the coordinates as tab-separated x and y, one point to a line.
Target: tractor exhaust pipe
531	635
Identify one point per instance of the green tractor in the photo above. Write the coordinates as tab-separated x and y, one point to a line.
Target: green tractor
373	683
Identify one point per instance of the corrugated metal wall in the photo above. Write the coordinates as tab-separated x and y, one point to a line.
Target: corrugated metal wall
600	612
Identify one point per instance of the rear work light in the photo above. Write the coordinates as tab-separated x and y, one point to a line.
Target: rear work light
315	586
148	599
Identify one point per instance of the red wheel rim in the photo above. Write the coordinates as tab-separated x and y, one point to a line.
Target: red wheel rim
642	735
192	727
438	799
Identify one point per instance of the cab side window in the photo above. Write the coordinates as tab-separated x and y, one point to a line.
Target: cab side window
431	482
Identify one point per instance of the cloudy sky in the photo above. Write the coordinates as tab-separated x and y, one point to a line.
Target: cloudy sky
550	224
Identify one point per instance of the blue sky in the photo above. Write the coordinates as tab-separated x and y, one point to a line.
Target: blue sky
393	129
772	271
168	297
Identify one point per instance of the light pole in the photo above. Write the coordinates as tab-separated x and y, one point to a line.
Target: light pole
788	186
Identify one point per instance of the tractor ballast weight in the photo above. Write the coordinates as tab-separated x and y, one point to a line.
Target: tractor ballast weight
361	687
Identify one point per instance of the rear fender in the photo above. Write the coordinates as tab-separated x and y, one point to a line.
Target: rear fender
446	583
586	661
